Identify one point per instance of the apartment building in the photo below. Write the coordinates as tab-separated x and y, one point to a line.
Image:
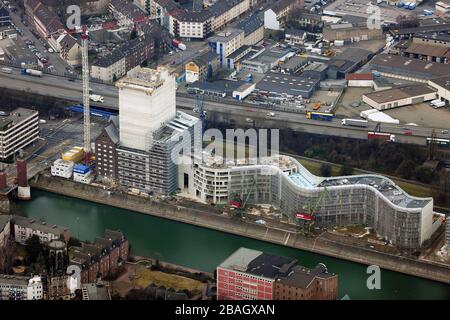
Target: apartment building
20	288
115	65
24	228
253	27
18	129
197	69
69	49
226	42
46	22
276	15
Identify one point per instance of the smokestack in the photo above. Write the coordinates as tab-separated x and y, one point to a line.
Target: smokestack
22	179
2	180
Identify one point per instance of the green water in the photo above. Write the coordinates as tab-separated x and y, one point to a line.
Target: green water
204	249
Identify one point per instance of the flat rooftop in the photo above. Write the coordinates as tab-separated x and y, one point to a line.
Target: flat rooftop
145	79
290	84
38	225
13	118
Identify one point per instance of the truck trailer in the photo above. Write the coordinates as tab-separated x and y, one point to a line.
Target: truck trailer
355	123
319	116
32	72
381	136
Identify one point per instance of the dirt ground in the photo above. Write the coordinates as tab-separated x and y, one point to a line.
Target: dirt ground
422	114
352	95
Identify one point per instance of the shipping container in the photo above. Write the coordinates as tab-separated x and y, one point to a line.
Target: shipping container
75	154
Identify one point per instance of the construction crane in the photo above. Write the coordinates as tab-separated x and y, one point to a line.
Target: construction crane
309	212
84	31
238	203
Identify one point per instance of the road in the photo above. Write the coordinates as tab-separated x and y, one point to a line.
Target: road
53	58
239	112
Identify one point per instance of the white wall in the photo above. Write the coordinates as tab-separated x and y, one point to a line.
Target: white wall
270	20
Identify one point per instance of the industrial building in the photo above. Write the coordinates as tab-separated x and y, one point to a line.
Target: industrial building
254	275
149	129
286	85
347	62
18	129
442	85
399	67
348	32
264	60
399	96
359	79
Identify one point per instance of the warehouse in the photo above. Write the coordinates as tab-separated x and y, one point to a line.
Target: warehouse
359	80
288	85
442	85
399	96
408	69
347	62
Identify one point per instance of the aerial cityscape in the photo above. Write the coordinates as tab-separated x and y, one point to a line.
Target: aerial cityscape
224	150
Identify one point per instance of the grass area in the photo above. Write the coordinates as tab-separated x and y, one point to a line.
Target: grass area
145	277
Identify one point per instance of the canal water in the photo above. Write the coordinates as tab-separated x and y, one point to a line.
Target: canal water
204	249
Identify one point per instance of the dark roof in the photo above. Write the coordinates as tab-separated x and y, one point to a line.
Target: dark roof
401	92
250	24
4	219
443	82
290	84
354	54
434	35
268	265
302	277
49	19
127	8
408	66
126	49
112	133
422	29
280	5
428	50
204	58
3	11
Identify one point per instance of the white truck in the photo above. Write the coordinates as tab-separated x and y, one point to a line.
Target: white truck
439	104
355	123
96	98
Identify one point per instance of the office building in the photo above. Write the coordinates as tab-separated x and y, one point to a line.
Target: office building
18	129
254	275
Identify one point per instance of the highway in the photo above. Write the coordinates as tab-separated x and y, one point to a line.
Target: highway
239	113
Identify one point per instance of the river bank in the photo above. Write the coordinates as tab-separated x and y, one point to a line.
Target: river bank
202	218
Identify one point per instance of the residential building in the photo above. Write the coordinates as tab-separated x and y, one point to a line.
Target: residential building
309	21
5	229
115	65
46	22
5	19
295	36
106	151
197	68
20	288
399	96
254	275
276	15
253	27
24	228
18	129
226	42
69	49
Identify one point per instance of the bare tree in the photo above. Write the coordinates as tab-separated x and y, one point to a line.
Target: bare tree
7	255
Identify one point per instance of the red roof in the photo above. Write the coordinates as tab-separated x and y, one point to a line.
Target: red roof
359	76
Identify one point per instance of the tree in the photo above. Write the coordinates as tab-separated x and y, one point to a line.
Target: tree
7	255
73	242
33	248
325	170
114	78
346	170
406	169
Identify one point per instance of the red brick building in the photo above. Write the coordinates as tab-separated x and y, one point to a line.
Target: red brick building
253	275
101	258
